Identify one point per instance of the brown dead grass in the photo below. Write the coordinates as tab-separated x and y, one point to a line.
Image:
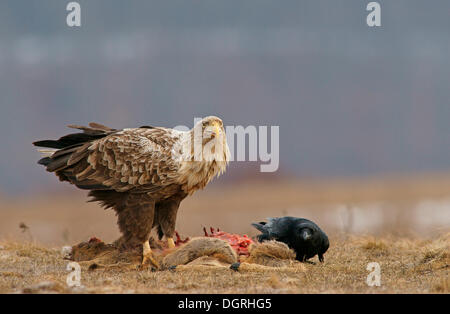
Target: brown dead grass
411	246
407	266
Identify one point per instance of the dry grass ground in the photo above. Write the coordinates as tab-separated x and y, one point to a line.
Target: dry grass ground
407	266
408	220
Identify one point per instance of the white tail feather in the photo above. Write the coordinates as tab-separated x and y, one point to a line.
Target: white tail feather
47	152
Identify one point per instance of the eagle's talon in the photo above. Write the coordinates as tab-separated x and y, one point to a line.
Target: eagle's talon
149	260
147	256
170	243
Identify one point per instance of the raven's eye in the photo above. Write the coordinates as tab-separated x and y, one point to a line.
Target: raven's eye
305	233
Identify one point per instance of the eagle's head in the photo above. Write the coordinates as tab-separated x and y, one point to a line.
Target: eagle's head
207	151
210	127
210	140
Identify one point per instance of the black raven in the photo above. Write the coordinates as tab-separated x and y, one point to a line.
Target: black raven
301	235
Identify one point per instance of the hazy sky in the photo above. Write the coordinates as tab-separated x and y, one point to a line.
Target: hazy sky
349	99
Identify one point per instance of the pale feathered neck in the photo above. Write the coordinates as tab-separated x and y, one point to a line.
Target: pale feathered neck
199	166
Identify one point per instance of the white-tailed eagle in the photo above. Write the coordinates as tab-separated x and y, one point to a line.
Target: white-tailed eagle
142	173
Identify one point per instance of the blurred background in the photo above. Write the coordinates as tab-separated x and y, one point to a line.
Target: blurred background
363	111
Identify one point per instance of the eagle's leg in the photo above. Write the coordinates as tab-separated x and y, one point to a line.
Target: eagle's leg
166	214
135	221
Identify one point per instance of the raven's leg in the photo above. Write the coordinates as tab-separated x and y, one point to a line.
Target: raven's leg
321	259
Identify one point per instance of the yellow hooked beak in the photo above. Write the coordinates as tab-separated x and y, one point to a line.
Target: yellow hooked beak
216	129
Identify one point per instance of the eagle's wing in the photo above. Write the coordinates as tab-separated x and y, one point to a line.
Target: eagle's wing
139	158
132	158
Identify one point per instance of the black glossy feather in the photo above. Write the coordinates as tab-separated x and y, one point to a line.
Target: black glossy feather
301	235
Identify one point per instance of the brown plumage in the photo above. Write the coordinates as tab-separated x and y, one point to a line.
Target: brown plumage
142	173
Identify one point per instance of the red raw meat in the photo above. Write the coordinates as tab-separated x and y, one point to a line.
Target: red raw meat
239	243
